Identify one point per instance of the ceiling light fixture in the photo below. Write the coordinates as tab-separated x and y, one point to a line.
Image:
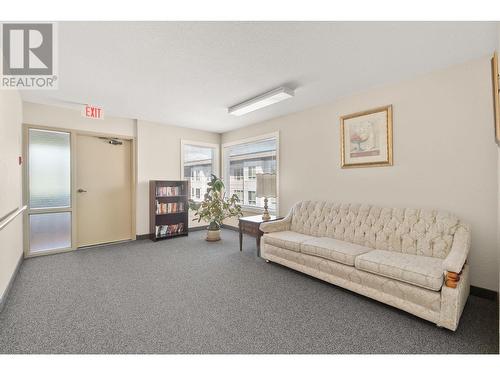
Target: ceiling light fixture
261	101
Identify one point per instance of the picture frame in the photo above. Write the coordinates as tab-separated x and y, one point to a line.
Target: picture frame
366	138
496	99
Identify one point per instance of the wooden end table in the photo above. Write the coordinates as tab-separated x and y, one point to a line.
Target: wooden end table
250	225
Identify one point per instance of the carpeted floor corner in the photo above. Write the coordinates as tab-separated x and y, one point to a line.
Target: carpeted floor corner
186	295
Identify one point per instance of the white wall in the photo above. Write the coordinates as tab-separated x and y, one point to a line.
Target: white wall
159	153
11	237
444	154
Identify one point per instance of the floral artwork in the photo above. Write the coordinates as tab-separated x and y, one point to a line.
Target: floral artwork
367	138
364	140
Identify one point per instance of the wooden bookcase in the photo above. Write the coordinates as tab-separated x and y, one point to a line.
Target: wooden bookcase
168	209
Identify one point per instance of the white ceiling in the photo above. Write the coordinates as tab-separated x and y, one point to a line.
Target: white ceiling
188	73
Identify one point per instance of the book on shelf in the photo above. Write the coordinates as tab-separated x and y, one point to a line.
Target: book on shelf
168	230
169	208
175	221
168	191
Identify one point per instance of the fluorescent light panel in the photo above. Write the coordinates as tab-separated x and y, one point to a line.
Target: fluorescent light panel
261	101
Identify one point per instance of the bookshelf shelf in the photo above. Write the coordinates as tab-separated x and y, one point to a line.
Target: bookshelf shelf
168	209
171	236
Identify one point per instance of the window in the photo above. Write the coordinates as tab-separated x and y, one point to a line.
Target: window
49	190
198	164
242	162
239	193
49	169
238	173
252	172
252	198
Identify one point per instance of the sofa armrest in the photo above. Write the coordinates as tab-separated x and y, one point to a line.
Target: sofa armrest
277	225
455	260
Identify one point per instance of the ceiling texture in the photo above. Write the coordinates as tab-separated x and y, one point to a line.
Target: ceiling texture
188	73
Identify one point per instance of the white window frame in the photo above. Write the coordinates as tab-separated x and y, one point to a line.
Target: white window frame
216	158
255	197
252	176
276	135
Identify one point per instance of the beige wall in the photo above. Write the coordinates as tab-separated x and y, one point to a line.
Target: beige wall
444	154
47	115
11	243
158	145
159	158
498	181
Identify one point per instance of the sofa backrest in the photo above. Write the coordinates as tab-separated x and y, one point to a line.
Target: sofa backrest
407	230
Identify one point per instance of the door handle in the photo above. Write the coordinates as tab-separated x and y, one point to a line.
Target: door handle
81	190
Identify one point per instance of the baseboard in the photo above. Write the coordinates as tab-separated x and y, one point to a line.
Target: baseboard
230	227
196	229
483	293
3	299
147	236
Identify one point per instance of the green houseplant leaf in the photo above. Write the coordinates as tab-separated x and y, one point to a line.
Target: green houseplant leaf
215	207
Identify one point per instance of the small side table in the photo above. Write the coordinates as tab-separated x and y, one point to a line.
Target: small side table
250	225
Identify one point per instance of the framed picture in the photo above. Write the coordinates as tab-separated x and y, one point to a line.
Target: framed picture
366	138
496	100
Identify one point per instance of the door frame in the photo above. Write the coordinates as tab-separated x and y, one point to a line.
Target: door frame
73	209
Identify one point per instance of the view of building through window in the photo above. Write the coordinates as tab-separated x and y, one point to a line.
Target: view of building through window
198	166
252	198
242	162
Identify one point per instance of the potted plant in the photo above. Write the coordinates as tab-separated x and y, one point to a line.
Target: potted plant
215	207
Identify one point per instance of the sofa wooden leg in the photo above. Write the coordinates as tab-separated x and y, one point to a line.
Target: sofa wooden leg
452	279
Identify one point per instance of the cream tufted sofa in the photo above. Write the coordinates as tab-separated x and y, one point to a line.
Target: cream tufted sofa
412	259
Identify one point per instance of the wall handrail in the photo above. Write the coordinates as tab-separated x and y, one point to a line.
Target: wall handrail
4	221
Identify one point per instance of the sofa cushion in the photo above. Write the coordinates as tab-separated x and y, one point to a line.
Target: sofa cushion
332	249
286	239
405	230
426	272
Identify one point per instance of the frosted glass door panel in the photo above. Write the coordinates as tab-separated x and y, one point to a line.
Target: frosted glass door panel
50	231
49	169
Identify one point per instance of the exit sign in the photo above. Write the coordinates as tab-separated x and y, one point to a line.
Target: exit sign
93	112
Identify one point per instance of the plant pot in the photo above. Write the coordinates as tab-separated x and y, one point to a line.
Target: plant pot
213	235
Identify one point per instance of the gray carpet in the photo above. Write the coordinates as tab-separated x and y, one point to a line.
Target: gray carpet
188	296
